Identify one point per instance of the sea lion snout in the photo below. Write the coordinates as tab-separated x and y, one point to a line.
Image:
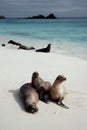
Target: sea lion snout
61	78
35	74
34	110
31	108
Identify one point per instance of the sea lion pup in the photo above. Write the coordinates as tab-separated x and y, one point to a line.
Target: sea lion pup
47	49
57	91
41	86
29	97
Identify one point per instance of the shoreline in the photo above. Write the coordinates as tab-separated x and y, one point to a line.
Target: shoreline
59	51
67	36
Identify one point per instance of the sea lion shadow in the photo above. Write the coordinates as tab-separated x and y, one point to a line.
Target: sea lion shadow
17	97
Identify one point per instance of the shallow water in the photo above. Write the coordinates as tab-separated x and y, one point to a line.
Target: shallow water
67	35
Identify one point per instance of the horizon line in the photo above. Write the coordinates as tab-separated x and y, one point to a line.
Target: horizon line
44	18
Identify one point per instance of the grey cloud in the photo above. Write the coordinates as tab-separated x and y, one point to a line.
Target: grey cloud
23	8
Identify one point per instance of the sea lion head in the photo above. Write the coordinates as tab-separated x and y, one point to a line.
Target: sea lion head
11	41
60	78
31	108
48	47
35	75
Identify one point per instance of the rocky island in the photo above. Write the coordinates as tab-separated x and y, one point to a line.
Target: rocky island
50	16
2	17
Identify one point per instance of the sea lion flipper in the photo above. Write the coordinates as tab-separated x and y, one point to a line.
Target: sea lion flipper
63	105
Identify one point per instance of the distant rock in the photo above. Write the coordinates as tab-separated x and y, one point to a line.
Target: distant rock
3	45
38	17
50	16
2	17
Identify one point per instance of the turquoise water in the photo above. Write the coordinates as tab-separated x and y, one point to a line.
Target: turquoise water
67	35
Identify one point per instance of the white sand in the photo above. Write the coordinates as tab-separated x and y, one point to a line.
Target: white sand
16	68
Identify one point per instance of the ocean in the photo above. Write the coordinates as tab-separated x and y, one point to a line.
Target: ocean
68	36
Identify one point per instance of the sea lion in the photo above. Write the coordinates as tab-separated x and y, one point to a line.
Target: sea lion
57	91
25	47
41	86
47	49
29	97
20	45
14	43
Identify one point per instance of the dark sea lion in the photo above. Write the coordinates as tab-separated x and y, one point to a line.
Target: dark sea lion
25	47
47	49
41	86
20	45
57	91
29	97
14	43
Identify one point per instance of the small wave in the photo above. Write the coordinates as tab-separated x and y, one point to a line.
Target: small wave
20	34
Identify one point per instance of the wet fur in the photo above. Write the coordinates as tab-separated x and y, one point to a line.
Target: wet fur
41	86
29	97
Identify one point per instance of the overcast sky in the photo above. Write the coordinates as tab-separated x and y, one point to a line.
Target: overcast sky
61	8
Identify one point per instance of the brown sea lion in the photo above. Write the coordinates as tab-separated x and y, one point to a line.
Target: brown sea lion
57	91
29	97
41	86
47	49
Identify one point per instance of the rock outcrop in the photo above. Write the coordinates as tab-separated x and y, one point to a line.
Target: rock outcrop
50	16
2	17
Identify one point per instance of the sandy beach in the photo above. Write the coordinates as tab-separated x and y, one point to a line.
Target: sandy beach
16	68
